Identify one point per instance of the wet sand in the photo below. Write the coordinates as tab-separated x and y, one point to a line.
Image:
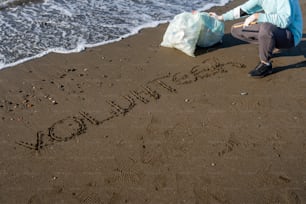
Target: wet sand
133	122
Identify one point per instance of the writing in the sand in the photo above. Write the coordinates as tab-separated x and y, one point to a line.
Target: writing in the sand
70	127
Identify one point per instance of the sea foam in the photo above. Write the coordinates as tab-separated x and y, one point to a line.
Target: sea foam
33	30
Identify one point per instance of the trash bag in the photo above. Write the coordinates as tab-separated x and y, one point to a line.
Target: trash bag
211	32
183	32
188	30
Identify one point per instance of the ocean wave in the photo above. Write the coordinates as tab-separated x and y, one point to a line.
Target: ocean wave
64	26
4	4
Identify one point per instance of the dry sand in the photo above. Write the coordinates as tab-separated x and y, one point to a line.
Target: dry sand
132	122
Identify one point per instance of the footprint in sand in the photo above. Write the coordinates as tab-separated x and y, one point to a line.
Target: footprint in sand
125	173
293	198
88	197
229	146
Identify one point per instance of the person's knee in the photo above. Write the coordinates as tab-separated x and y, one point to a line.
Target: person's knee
266	30
235	30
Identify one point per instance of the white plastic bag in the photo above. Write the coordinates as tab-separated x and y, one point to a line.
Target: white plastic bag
188	30
212	31
183	32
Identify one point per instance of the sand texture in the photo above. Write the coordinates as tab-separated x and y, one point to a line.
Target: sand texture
133	122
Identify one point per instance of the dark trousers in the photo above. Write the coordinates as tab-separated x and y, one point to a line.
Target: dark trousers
266	35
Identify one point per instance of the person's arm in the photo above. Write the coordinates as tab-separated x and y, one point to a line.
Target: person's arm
238	13
248	8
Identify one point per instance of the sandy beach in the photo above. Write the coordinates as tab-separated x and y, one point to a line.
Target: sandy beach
134	122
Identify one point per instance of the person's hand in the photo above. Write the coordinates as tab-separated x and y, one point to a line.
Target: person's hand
214	15
250	19
194	12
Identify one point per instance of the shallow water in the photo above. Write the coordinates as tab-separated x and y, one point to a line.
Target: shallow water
33	28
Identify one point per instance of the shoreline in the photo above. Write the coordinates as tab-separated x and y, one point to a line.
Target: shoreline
133	122
81	47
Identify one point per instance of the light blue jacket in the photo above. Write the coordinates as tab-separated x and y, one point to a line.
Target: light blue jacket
282	13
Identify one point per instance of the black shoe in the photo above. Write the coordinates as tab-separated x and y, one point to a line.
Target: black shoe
261	70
